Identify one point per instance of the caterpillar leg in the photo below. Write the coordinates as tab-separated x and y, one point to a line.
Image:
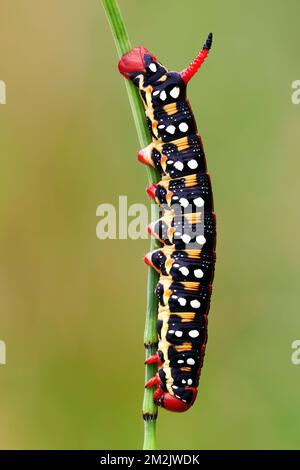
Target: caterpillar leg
151	190
155	359
144	156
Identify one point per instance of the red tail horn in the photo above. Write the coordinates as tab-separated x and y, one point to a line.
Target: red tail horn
190	71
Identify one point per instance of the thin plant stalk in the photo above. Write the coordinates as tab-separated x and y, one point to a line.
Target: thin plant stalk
150	335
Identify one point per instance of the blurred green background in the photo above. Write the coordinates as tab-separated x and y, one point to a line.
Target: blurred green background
72	306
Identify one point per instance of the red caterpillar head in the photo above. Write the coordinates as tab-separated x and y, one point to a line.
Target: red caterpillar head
140	61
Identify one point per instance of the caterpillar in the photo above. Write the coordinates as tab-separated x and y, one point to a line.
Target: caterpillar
186	260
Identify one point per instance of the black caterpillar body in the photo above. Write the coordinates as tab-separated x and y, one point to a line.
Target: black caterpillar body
187	228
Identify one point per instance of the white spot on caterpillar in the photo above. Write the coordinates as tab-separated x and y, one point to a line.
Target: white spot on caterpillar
198	273
184	202
153	67
192	164
176	265
190	361
195	303
183	381
163	95
175	92
156	92
179	166
180	361
183	127
170	162
171	332
182	302
171	129
186	238
189	381
161	126
175	198
199	202
174	387
184	271
178	333
194	333
201	239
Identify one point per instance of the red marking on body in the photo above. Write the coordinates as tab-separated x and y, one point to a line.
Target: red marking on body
142	156
151	229
154	381
154	360
151	190
147	259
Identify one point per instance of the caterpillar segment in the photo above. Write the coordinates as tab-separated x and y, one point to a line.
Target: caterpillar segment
187	228
190	192
177	158
172	229
183	265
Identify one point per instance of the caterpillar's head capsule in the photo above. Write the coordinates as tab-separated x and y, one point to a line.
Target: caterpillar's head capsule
133	61
140	61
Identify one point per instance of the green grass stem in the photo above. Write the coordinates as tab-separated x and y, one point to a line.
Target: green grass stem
150	335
